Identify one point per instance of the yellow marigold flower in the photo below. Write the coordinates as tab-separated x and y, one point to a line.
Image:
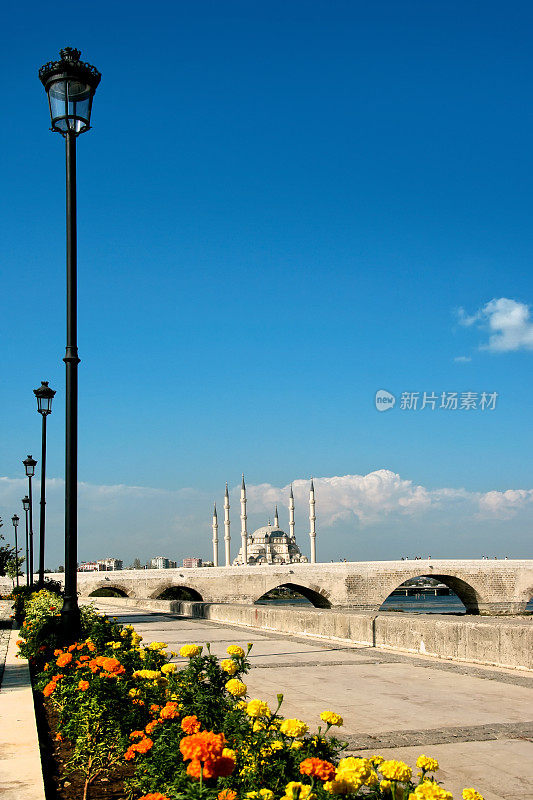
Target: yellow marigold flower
124	633
342	787
236	687
471	794
149	674
376	760
353	771
385	785
190	650
136	638
229	666
157	645
235	650
395	771
134	692
294	728
430	791
372	779
262	794
295	790
296	745
276	745
168	669
331	718
427	764
256	708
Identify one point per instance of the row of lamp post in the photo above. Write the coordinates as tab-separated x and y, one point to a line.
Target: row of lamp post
70	85
44	396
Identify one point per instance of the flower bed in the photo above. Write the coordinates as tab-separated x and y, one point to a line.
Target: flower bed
125	709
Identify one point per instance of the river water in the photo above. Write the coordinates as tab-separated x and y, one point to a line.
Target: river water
421	604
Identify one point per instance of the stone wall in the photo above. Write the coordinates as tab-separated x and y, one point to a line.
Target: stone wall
485	587
506	642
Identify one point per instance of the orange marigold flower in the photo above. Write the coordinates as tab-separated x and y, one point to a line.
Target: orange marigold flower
112	665
202	746
191	724
19	642
57	652
154	796
83	685
155	708
129	754
151	726
85	658
46	667
170	711
194	768
64	659
137	735
72	647
90	647
59	737
318	768
226	794
137	702
144	745
49	688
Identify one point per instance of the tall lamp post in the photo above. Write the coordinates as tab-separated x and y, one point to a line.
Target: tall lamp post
44	396
26	507
15	521
29	465
70	85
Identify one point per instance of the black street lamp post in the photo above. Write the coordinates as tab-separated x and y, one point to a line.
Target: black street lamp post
29	466
15	521
26	507
70	85
44	396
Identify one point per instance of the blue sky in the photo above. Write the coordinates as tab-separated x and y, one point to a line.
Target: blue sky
282	209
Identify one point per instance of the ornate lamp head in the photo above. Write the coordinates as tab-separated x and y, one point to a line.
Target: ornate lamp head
70	85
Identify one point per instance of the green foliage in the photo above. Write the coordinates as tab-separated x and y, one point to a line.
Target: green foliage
119	700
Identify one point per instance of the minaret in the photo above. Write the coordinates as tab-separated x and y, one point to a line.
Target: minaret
276	518
291	514
215	537
312	521
227	536
244	533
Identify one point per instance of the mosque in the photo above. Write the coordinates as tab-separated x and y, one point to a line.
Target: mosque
269	544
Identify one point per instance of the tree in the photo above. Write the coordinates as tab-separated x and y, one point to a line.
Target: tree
7	553
13	567
61	568
136	564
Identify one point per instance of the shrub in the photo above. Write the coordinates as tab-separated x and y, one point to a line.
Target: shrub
189	731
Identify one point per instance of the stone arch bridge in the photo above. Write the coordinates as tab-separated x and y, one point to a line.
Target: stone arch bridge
484	586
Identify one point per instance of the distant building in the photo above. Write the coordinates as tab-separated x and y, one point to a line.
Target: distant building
102	565
161	562
88	566
109	564
192	562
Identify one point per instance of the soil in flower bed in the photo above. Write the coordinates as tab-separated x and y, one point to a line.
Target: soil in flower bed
54	756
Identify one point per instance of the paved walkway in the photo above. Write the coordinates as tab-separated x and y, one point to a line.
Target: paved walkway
477	721
5	630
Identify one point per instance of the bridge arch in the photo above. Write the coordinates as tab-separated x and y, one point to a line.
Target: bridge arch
171	591
109	590
466	593
316	595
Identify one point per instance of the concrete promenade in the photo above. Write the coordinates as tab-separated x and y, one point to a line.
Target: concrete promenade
477	721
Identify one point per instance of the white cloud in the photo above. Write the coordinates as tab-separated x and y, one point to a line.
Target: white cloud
462	359
384	496
378	515
508	321
505	505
